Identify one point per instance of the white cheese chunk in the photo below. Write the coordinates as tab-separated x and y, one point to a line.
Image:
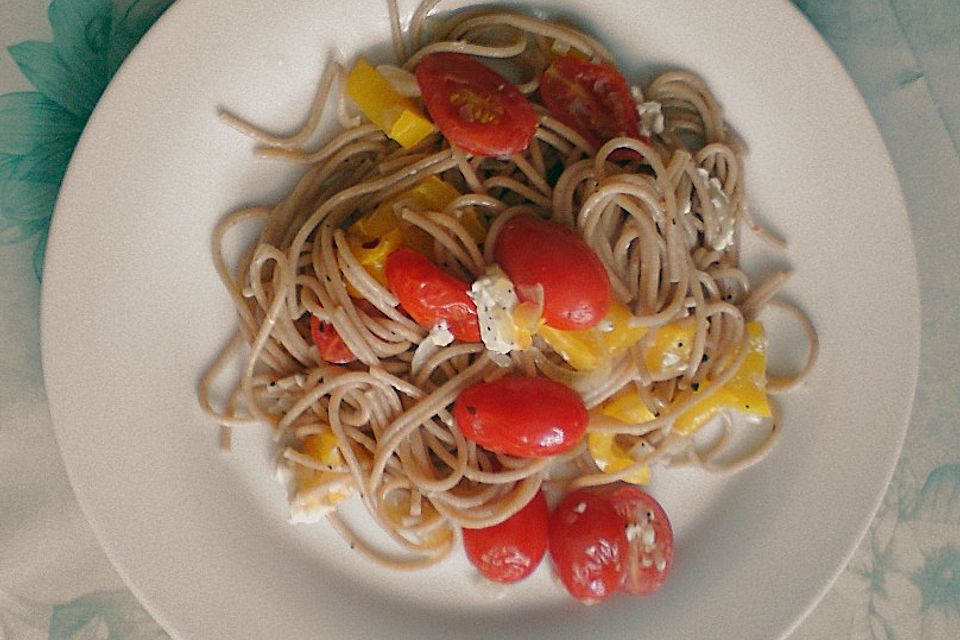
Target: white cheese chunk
495	297
651	118
725	217
440	334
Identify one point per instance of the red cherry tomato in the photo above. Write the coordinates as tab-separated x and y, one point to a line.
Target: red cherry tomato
510	551
329	343
588	545
576	290
593	99
521	416
430	294
650	540
475	107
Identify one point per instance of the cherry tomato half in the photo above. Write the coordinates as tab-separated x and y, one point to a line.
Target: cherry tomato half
588	545
521	416
593	99
510	551
430	294
650	540
475	107
576	289
329	343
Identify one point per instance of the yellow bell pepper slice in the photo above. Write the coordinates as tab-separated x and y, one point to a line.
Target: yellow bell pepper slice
744	392
611	456
627	406
398	116
749	384
583	349
431	194
694	418
607	452
672	344
474	225
397	509
586	349
372	254
323	448
375	224
527	321
623	334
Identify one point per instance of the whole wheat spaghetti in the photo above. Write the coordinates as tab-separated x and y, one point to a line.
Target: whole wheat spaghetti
665	218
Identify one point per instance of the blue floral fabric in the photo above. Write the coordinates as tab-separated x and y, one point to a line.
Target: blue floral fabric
39	130
903	582
906	575
100	615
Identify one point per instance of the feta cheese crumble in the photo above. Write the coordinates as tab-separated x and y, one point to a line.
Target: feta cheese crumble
651	118
496	299
440	334
721	204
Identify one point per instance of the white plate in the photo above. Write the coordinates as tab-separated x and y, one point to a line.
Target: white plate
133	312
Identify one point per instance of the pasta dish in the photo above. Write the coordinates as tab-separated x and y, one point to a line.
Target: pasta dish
509	282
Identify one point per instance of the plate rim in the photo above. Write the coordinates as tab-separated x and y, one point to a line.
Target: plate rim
148	44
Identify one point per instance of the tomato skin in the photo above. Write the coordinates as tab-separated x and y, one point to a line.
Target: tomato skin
642	575
588	545
593	99
510	551
576	289
329	343
475	107
430	294
521	416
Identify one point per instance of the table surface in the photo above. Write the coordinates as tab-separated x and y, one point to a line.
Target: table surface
904	579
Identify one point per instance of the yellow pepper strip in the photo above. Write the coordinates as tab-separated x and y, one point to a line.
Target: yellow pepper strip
372	254
672	344
611	456
582	349
694	418
627	406
323	448
586	349
528	320
624	334
749	384
398	116
398	505
474	225
375	224
745	392
431	194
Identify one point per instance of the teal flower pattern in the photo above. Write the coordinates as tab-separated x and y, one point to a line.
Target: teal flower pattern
100	615
39	130
114	615
906	578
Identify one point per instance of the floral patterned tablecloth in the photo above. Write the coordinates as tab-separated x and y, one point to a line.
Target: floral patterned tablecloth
55	582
